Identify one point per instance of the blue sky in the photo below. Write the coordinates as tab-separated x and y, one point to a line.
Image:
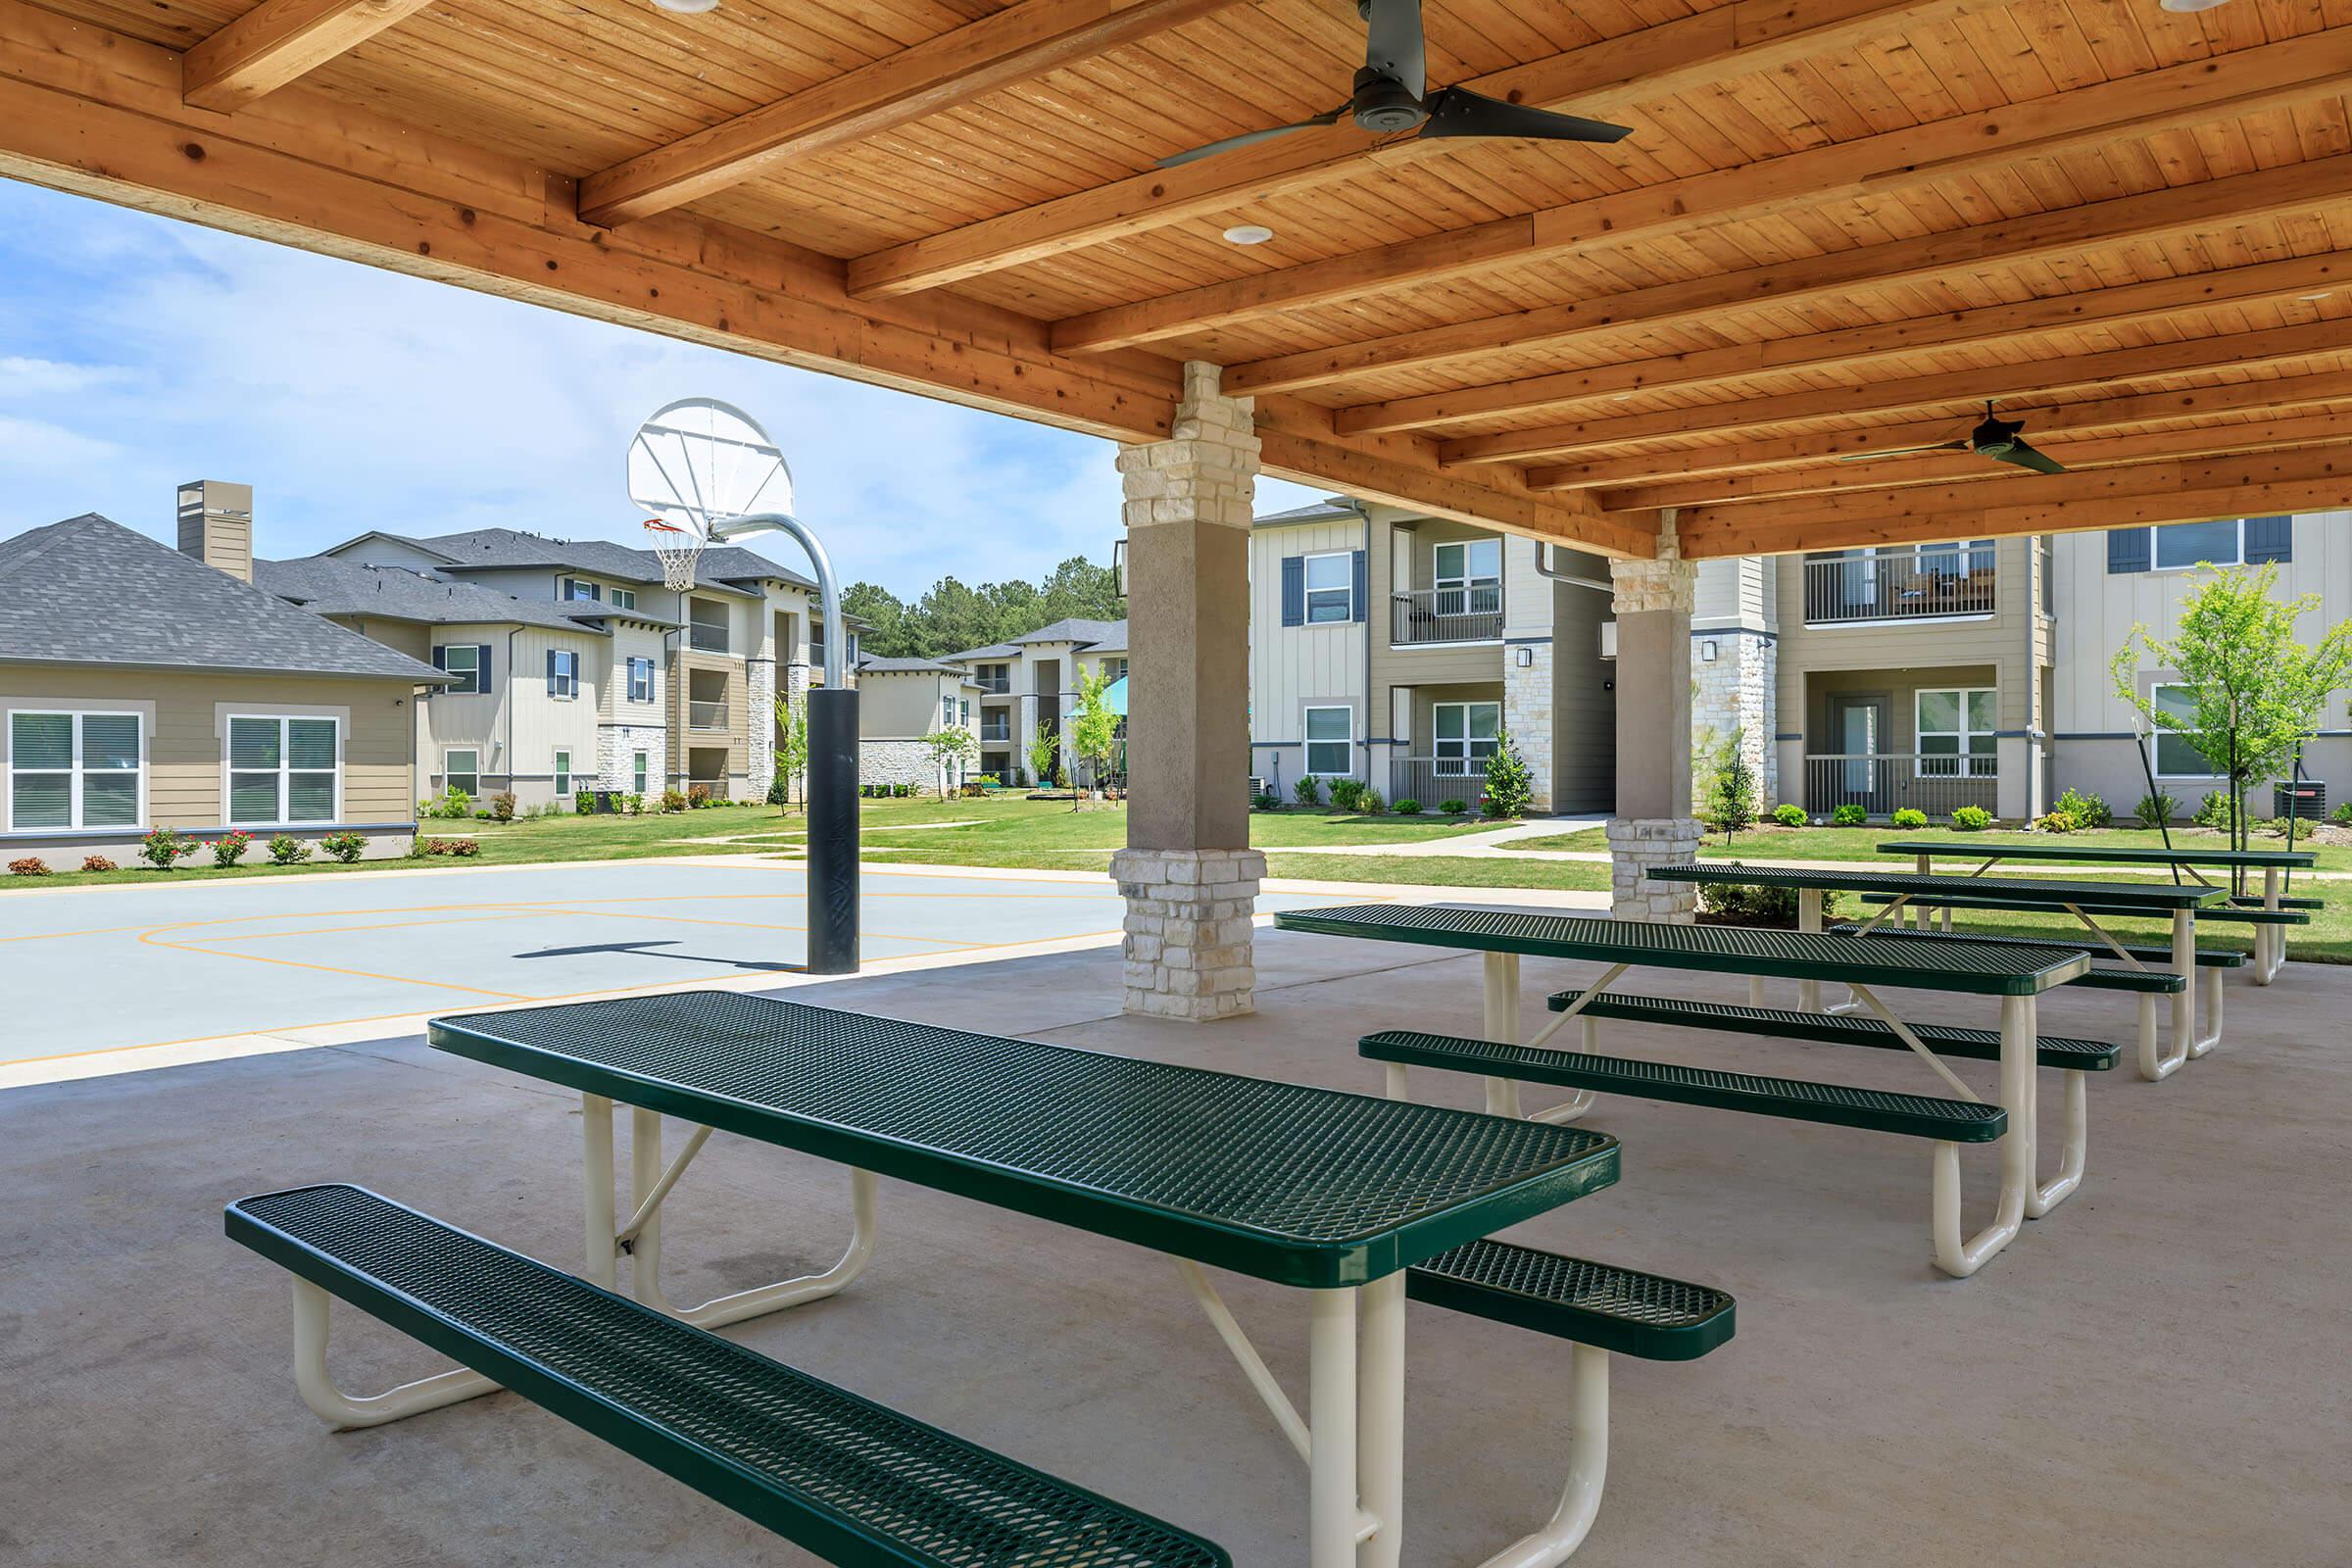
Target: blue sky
137	352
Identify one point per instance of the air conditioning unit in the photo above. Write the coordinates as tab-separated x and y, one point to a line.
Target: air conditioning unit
1609	639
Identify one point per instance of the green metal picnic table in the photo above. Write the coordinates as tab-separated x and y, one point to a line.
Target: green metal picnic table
2017	975
2270	941
1336	1194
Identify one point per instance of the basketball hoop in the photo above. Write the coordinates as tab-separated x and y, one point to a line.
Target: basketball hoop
677	549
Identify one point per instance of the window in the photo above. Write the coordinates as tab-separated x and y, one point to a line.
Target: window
1114	670
1469	577
637	772
2176	755
1330	738
2180	544
284	770
1330	589
582	588
73	771
947	712
461	769
562	674
470	663
1955	734
852	653
624	598
641	680
1463	735
562	773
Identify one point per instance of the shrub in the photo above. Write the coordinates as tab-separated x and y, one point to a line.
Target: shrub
672	801
501	806
636	805
1308	791
1788	816
697	796
229	848
1972	820
1346	791
1742	903
1407	806
2342	815
1265	801
1849	816
451	803
583	804
163	847
1733	791
779	793
97	862
462	848
1455	808
1509	787
2058	823
31	865
1908	817
2154	810
287	850
2214	811
2088	811
1369	802
344	846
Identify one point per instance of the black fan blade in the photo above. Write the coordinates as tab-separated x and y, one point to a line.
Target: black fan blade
1459	112
1394	46
2024	457
1903	452
1251	137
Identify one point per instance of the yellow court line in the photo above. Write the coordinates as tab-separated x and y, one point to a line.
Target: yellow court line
152	940
507	911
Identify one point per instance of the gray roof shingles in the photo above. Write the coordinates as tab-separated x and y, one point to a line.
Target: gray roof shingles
326	586
720	565
89	591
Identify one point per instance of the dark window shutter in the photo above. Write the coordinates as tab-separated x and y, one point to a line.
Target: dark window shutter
440	663
2126	550
1293	590
550	672
2269	539
482	668
1360	581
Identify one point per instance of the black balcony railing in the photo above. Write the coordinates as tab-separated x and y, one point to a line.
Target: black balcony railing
1881	784
1927	584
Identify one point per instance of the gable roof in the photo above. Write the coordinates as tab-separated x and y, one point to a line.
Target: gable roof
911	666
89	591
326	586
1095	636
481	549
1331	509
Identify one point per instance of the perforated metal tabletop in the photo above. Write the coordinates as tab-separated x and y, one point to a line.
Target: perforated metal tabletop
1988	969
1294	1184
2114	854
2017	892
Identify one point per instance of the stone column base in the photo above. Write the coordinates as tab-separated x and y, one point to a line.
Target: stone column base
1636	844
1189	936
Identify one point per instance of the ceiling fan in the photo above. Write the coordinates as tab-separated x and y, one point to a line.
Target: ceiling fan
1997	439
1391	95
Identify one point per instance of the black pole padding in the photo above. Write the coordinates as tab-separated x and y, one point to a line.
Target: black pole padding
832	831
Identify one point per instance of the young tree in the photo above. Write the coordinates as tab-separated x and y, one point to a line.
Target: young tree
1509	787
1045	749
792	743
950	743
1094	727
1732	794
2255	694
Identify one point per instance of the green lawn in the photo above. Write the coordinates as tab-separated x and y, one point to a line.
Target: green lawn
1862	844
1441	870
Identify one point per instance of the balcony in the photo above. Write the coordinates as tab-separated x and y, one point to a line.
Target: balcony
706	637
996	734
1882	783
993	685
1432	780
1466	614
701	714
1946	583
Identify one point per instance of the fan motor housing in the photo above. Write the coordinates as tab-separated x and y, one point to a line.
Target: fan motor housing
1384	104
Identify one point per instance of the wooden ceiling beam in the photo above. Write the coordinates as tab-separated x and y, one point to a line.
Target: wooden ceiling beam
2317	184
2302	479
1015	44
278	41
1849	348
2268	397
2330	426
1743	38
2178	97
2009	385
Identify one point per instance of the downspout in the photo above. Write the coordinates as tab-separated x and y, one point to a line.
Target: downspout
1571	579
1367	517
510	741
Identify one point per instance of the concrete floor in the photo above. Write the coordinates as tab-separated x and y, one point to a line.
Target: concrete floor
2152	1376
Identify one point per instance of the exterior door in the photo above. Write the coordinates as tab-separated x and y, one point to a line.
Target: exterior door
1859	729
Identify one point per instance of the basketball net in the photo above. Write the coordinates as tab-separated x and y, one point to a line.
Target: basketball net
677	549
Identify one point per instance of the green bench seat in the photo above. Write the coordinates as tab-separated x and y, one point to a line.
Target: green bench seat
2146	952
1959	1122
846	1479
2253	901
1645	1315
2109	976
1837	1029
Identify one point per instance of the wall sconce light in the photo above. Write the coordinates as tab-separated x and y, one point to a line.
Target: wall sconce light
1526	656
1706	651
1118	565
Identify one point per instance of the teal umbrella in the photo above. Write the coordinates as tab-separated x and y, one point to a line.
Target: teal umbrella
1114	696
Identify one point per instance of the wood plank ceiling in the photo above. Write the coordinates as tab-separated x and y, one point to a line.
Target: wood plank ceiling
1839	226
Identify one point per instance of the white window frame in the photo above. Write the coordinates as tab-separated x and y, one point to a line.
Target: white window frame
1309	740
636	659
567	673
285	767
74	772
1964	753
474	686
574	587
1346	588
1469	580
1473	765
2204	772
624	598
449	773
2156	546
566	781
641	771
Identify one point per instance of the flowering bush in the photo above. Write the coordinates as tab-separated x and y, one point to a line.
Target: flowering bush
462	848
229	848
287	850
344	846
31	865
163	847
97	862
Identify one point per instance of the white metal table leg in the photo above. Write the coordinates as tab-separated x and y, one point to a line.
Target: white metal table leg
2184	1004
1953	1256
1380	1456
2270	941
1588	1470
2073	1154
2156	1062
596	1179
341	1410
1809	919
1501	1023
1331	1416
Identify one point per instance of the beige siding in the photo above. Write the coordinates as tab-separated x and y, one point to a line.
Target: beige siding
1735	591
1294	667
902	707
1584	702
630	640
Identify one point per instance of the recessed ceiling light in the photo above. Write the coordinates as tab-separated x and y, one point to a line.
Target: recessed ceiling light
687	7
2191	6
1621	397
2310	299
1249	235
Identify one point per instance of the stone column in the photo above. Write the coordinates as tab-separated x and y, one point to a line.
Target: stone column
1654	824
1188	874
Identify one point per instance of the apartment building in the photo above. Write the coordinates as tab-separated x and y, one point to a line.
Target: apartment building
570	666
1031	683
900	703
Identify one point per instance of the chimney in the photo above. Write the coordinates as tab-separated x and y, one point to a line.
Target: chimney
215	526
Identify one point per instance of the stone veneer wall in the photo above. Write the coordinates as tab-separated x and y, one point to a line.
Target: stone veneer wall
1188	930
615	743
1738	688
1528	717
898	760
1666	586
759	725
